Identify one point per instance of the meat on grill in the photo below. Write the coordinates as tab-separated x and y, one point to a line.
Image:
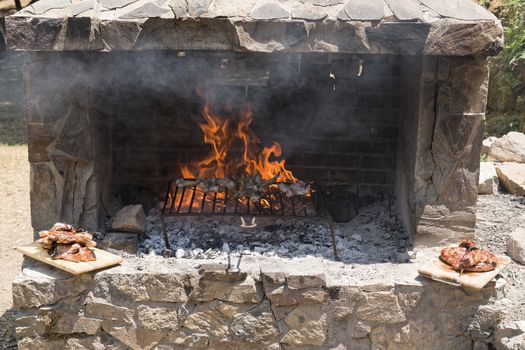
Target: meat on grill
467	257
69	243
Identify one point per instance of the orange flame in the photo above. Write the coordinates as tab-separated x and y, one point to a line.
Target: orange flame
223	134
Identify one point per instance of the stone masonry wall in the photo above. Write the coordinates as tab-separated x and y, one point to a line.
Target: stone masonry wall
442	120
450	131
148	304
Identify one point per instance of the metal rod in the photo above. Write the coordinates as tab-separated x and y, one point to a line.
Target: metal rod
247	205
192	199
167	197
236	205
293	205
225	200
282	203
203	204
271	204
173	199
332	237
214	202
167	252
181	199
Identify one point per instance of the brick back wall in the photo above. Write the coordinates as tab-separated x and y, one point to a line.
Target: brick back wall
334	125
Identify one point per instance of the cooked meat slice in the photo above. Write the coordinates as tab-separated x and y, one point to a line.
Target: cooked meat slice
74	252
468	257
61	249
69	237
90	244
61	227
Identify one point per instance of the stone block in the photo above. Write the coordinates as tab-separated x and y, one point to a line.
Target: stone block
141	287
189	339
516	245
382	307
234	286
77	324
157	318
486	144
512	177
509	148
510	336
131	218
488	178
101	309
289	288
135	338
255	326
127	242
35	289
308	326
205	319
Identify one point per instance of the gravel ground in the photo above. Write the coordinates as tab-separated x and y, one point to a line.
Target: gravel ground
15	228
499	215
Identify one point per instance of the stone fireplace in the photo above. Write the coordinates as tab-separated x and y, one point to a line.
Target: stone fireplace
385	98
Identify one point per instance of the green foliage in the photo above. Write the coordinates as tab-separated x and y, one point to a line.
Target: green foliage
506	102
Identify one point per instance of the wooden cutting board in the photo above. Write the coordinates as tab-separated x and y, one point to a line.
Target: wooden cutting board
104	259
437	270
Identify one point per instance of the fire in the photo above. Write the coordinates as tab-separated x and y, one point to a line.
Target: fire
225	134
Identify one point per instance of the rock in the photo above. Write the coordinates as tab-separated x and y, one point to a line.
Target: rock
488	178
255	326
365	10
510	336
356	237
158	318
380	307
113	4
141	287
308	12
486	144
77	324
36	289
148	10
225	247
135	338
205	319
359	330
127	242
308	325
516	245
512	177
268	9
179	253
189	340
509	148
131	218
101	309
43	6
246	291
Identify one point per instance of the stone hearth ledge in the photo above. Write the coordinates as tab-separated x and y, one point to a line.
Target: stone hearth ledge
425	27
270	303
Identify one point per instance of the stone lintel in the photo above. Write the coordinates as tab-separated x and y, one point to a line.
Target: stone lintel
106	31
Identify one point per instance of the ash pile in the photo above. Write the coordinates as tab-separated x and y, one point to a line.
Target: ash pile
375	235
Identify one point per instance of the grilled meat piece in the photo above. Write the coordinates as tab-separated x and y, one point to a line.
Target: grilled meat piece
66	242
72	252
468	257
294	189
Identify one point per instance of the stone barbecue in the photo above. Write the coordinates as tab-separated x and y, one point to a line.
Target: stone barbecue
378	105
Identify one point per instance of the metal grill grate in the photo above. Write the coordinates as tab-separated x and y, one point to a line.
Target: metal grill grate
272	202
